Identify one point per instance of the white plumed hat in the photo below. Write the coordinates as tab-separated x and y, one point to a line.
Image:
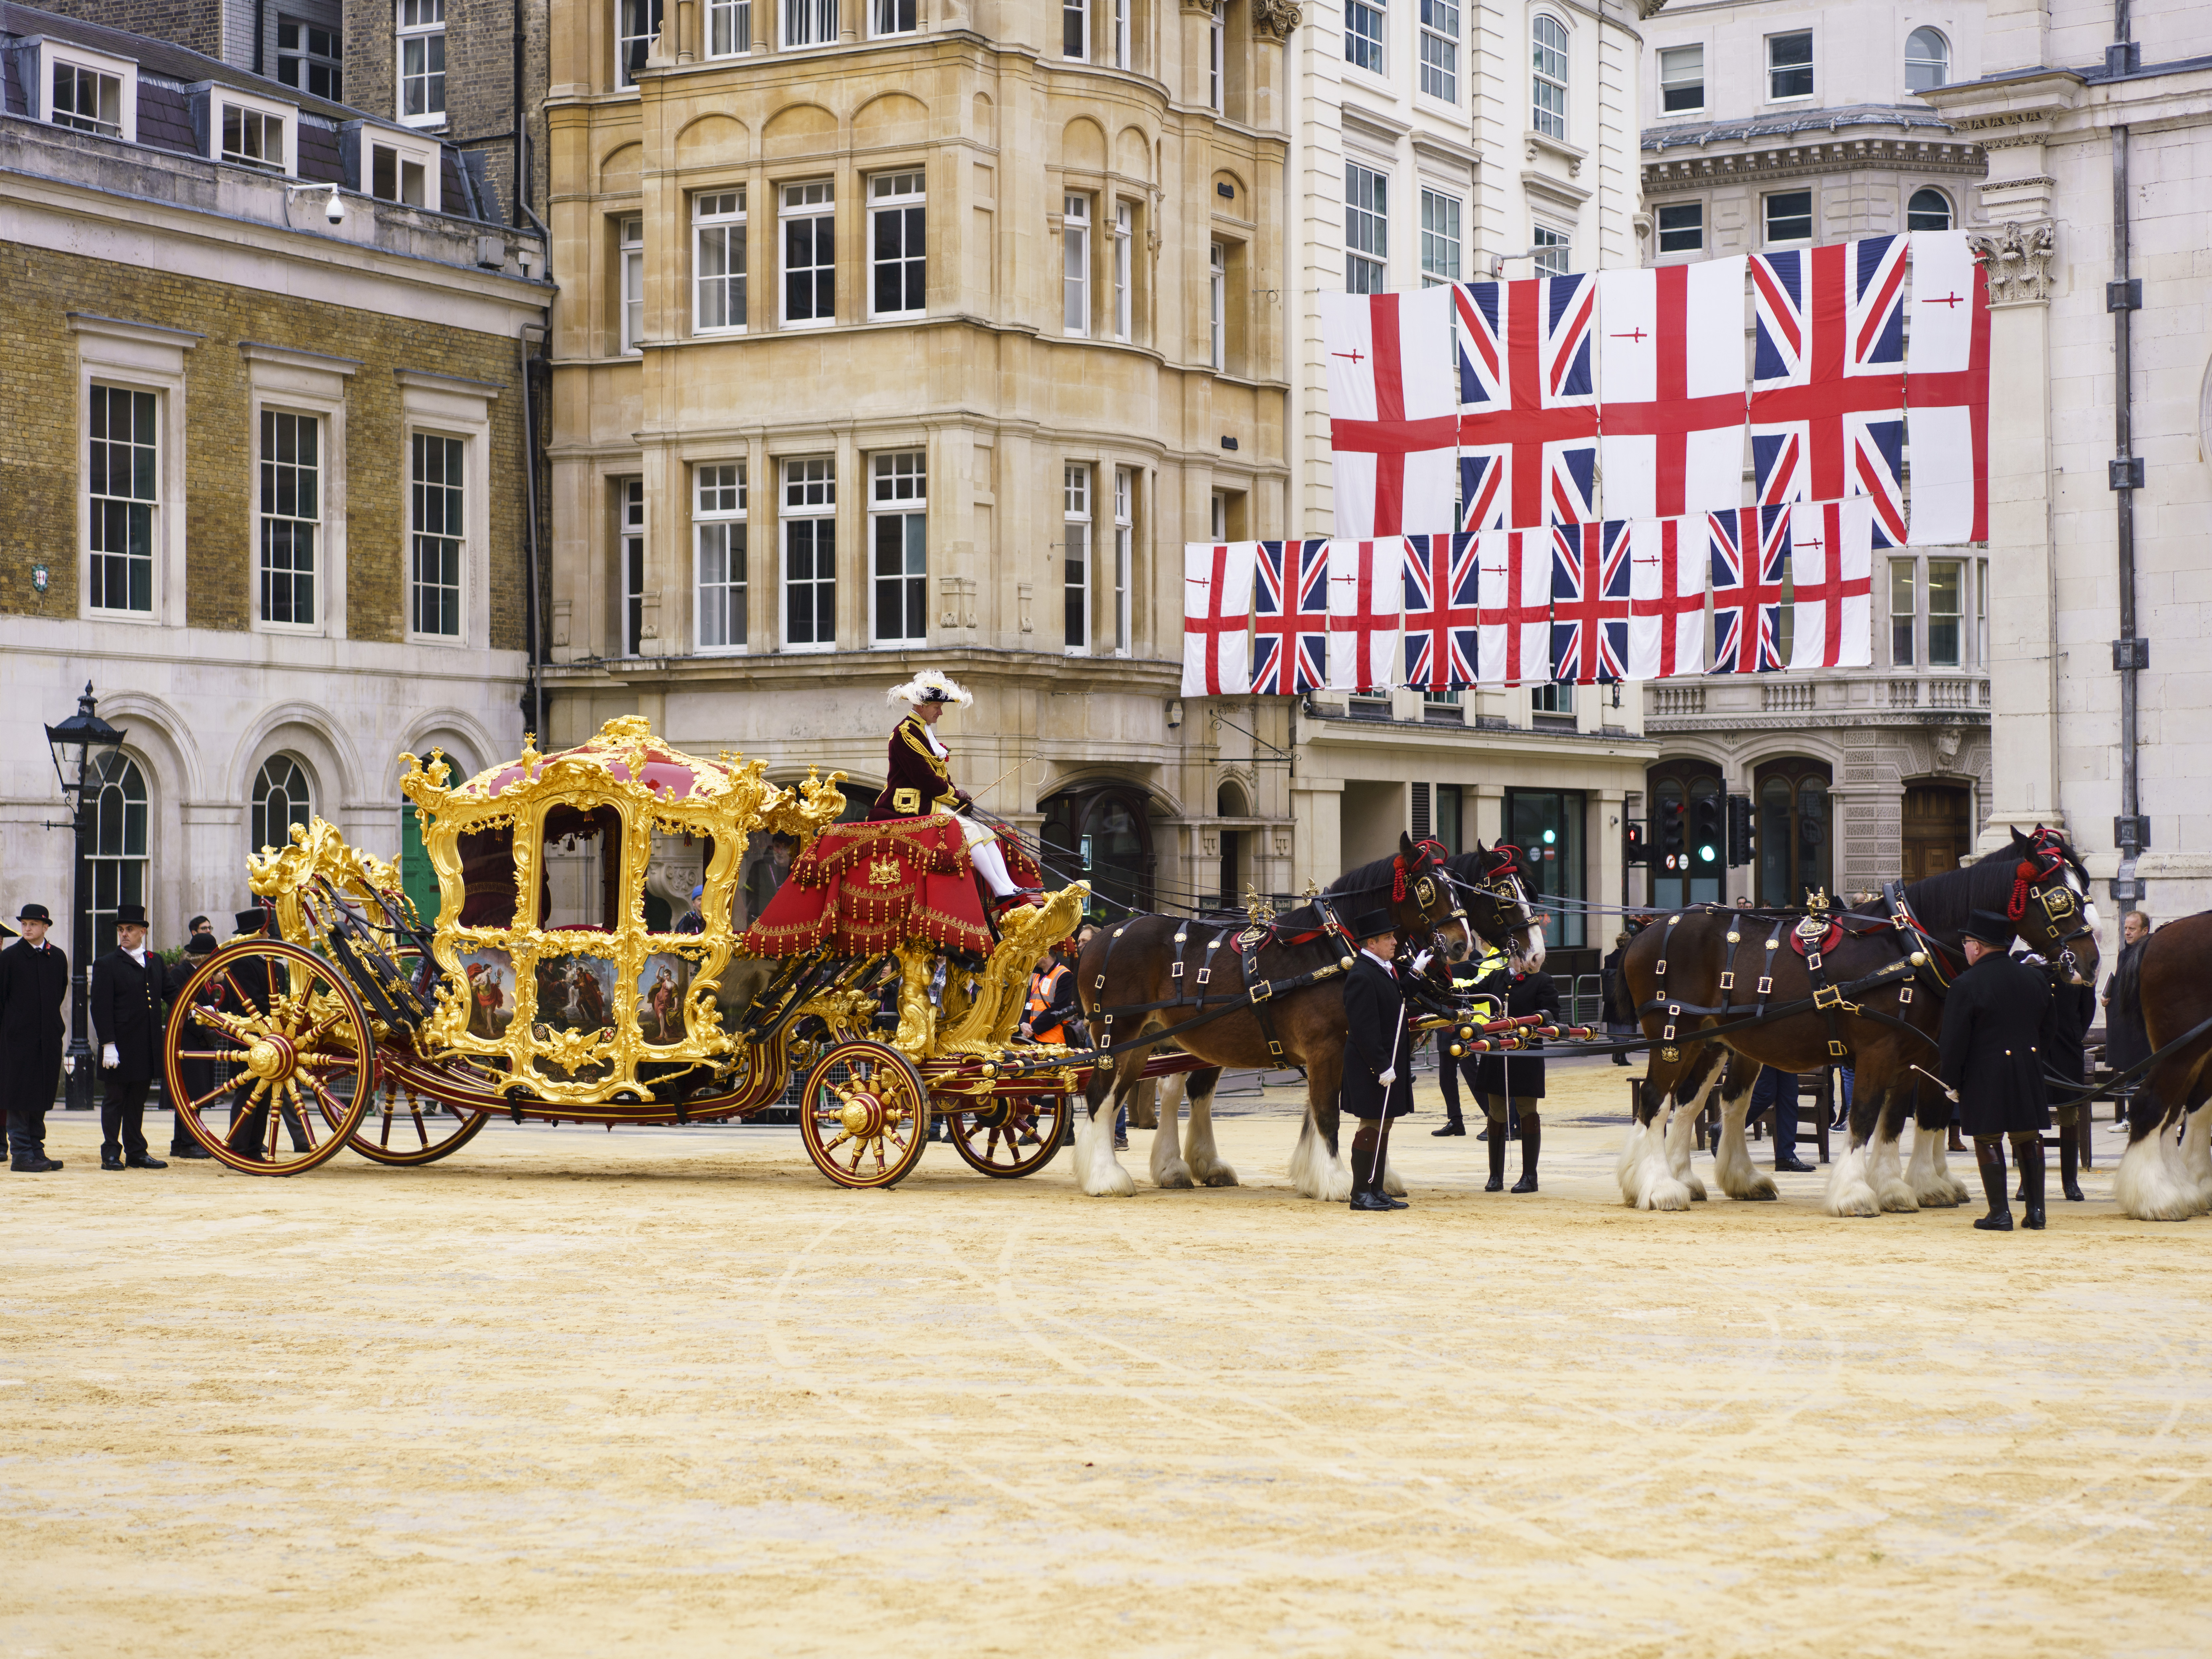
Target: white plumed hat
930	686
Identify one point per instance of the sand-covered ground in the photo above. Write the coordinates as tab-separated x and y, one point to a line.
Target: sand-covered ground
669	1392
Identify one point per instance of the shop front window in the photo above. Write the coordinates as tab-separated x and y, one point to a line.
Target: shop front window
1546	825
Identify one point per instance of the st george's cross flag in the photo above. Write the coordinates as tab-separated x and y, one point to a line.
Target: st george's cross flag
1366	606
1527	390
1290	633
1749	550
1946	391
1828	388
1589	602
1666	598
1670	359
1832	547
1217	603
1444	615
1513	580
1393	410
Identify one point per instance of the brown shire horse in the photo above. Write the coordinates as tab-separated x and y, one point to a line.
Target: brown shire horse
2158	1181
2037	881
1155	959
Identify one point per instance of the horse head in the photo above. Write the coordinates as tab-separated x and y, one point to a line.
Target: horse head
2049	902
1422	896
1499	894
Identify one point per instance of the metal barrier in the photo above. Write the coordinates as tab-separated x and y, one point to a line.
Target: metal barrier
1585	1003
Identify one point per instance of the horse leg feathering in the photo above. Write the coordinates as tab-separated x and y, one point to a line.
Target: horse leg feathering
1168	1166
1204	1163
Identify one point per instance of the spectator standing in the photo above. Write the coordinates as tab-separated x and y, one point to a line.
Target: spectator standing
2072	1007
1776	1091
2127	1043
129	989
33	980
1619	1017
197	927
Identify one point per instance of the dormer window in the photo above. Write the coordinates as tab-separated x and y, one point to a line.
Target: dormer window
249	130
89	91
399	167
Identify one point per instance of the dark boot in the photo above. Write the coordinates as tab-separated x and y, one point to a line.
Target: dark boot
1989	1155
1496	1150
1366	1170
2028	1151
1532	1141
2069	1166
1382	1167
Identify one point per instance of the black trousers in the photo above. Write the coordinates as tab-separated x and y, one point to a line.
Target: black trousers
123	1118
249	1125
1448	1072
27	1117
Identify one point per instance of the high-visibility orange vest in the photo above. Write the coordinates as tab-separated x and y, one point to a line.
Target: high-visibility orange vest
1043	985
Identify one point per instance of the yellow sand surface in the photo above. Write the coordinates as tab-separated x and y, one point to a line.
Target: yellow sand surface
669	1392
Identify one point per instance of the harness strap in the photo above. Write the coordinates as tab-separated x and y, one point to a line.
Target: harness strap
1098	984
1668	1054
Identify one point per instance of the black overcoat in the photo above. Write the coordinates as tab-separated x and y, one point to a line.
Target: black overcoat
2127	1039
32	982
1995	1022
2072	1009
126	1010
1520	1074
1375	1042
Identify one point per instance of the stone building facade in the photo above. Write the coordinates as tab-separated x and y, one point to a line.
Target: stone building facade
263	474
1773	126
2101	490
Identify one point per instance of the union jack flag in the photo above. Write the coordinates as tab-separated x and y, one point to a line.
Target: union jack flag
1590	593
1827	399
1750	549
1528	429
1290	649
1442	612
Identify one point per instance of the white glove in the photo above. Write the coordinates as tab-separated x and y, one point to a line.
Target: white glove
1422	961
1388	1076
109	1059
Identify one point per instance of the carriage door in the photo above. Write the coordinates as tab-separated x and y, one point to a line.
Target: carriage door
1937	819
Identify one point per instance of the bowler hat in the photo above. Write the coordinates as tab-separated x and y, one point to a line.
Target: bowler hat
1990	929
33	913
129	915
252	921
1373	924
202	944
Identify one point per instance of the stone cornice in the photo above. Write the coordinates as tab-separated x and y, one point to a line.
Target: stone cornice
1688	167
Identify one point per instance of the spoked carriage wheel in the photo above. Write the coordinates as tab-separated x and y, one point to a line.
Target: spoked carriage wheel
406	1127
864	1114
276	1071
1010	1138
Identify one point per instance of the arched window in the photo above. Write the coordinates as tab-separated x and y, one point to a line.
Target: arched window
281	799
1104	836
1791	808
1928	210
118	847
1927	60
1548	91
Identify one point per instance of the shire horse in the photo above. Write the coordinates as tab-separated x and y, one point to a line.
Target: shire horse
2157	1180
1159	967
1718	966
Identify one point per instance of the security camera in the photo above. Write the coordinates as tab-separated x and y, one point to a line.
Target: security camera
334	209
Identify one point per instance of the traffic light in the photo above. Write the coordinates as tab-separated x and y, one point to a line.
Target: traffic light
1705	832
1636	850
1739	828
1670	834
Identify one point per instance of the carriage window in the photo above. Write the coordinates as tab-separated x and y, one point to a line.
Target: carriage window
582	862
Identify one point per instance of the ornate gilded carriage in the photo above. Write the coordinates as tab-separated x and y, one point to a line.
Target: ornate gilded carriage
363	1024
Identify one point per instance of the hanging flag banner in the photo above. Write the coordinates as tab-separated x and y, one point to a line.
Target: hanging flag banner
1528	428
1217	606
1290	633
1444	614
1589	602
1946	391
1671	418
1666	598
1827	396
1513	583
1393	410
1831	582
1750	552
1366	598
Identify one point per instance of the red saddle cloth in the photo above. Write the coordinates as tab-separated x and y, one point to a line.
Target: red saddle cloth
863	889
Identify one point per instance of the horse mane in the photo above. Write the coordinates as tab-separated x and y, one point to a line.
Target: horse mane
1373	878
1945	901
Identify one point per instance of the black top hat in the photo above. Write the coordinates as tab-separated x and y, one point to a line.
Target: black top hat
252	921
1990	929
1373	924
33	913
202	944
129	915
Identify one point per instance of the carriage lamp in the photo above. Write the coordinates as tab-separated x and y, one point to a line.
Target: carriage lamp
84	745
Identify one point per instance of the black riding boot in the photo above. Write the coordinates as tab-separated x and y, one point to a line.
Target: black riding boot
1989	1155
1496	1150
1532	1142
1367	1168
2069	1166
2027	1152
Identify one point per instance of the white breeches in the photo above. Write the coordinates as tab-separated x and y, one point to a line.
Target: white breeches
984	853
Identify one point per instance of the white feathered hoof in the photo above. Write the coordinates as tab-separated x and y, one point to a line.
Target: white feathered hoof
2148	1185
1896	1198
1759	1189
1697	1185
1849	1192
1392	1184
1315	1173
1168	1171
1101	1173
1665	1192
1212	1172
1625	1166
1938	1192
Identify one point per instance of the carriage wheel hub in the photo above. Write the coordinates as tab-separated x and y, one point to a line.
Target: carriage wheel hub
272	1057
863	1117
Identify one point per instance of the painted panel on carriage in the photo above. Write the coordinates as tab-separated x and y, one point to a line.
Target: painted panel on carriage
491	975
575	992
662	984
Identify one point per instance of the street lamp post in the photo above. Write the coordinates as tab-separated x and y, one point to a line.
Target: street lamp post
84	744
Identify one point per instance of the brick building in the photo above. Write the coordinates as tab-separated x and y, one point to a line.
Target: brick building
263	474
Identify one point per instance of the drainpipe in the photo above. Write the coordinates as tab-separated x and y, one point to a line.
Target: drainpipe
2131	652
533	686
521	134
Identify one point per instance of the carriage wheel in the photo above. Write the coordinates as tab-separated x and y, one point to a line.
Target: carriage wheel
404	1127
297	1056
1010	1138
864	1114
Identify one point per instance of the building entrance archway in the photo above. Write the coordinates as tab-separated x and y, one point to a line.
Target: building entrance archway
1938	828
1101	834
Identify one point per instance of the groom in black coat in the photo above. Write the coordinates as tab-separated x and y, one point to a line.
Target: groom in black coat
129	988
1995	1022
1378	1063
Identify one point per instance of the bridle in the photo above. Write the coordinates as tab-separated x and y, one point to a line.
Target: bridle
1503	888
2040	893
1424	881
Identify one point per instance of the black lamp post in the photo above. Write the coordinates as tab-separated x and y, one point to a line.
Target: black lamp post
83	745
